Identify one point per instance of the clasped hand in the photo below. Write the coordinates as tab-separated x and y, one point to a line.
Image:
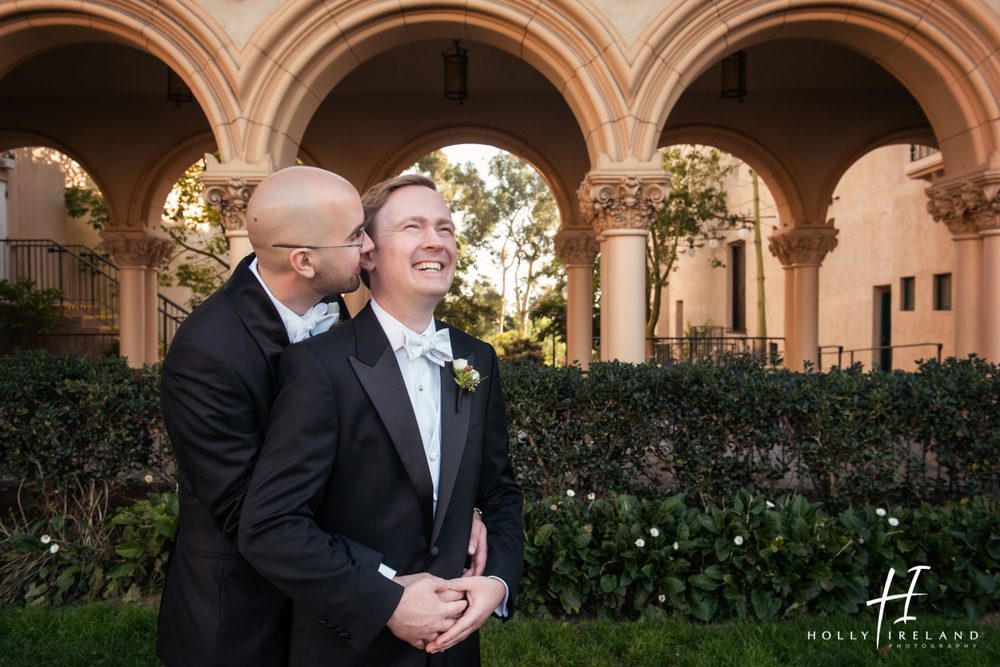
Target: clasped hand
434	614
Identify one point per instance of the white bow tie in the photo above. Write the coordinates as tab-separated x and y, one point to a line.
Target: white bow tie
436	346
317	319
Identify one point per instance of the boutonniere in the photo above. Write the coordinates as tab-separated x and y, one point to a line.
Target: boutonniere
466	377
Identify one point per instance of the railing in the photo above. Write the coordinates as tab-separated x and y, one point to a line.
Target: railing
840	351
87	280
918	152
715	349
171	316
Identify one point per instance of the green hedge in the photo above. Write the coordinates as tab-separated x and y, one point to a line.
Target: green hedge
842	436
67	421
753	557
839	436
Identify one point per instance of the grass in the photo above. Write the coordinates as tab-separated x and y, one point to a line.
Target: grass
124	635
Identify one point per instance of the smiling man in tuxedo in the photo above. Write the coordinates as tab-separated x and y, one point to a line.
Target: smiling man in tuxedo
373	442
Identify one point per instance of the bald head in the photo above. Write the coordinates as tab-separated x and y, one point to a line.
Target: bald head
301	206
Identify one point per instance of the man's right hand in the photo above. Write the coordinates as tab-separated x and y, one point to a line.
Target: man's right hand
428	608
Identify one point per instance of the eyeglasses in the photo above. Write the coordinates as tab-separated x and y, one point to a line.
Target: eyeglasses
315	247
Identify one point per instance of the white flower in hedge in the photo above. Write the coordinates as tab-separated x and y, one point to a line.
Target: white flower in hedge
148	479
738	540
655	532
591	496
54	548
640	543
769	504
662	598
554	507
45	539
570	492
893	521
880	511
676	546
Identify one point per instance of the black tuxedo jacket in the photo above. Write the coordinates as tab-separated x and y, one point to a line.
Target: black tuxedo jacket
343	464
219	382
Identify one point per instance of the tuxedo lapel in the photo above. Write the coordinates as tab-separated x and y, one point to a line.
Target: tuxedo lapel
258	314
378	372
454	431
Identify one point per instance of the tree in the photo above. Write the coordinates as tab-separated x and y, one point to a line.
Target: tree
516	219
697	202
200	260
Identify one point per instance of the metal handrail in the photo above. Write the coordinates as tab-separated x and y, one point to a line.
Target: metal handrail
715	348
937	346
103	289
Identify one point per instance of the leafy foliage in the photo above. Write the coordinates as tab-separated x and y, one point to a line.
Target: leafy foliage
84	202
68	420
750	557
26	310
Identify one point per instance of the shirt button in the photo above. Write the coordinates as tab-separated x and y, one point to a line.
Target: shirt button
434	457
420	387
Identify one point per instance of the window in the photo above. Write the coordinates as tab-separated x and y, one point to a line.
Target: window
907	293
738	286
942	291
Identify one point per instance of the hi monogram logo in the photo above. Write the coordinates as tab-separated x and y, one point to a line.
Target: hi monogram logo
907	596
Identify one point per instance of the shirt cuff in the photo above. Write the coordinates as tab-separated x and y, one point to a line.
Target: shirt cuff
388	572
501	610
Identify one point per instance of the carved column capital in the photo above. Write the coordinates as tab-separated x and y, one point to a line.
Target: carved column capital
229	200
576	247
131	249
806	245
967	207
616	200
228	186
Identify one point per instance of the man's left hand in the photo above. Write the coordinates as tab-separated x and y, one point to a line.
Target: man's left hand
484	595
477	548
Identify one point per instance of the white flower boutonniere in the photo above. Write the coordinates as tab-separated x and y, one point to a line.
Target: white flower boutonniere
466	377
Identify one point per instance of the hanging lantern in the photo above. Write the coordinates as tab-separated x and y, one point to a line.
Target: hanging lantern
734	76
456	73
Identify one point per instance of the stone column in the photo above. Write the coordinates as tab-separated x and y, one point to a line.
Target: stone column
603	302
577	249
160	250
801	251
622	204
228	187
971	209
134	251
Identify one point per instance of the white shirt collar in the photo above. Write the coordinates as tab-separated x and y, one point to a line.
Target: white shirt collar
395	330
289	318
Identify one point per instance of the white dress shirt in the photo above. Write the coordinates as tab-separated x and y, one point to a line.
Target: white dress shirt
298	327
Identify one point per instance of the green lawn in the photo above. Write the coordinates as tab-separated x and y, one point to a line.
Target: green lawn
122	634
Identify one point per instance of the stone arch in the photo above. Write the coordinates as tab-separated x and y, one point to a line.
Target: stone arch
409	151
156	182
943	54
191	43
565	41
19	138
781	181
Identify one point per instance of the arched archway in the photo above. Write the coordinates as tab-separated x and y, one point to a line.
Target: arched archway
562	42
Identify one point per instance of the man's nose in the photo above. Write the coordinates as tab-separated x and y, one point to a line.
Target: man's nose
366	243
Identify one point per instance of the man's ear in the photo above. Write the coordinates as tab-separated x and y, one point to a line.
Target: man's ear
300	260
366	261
